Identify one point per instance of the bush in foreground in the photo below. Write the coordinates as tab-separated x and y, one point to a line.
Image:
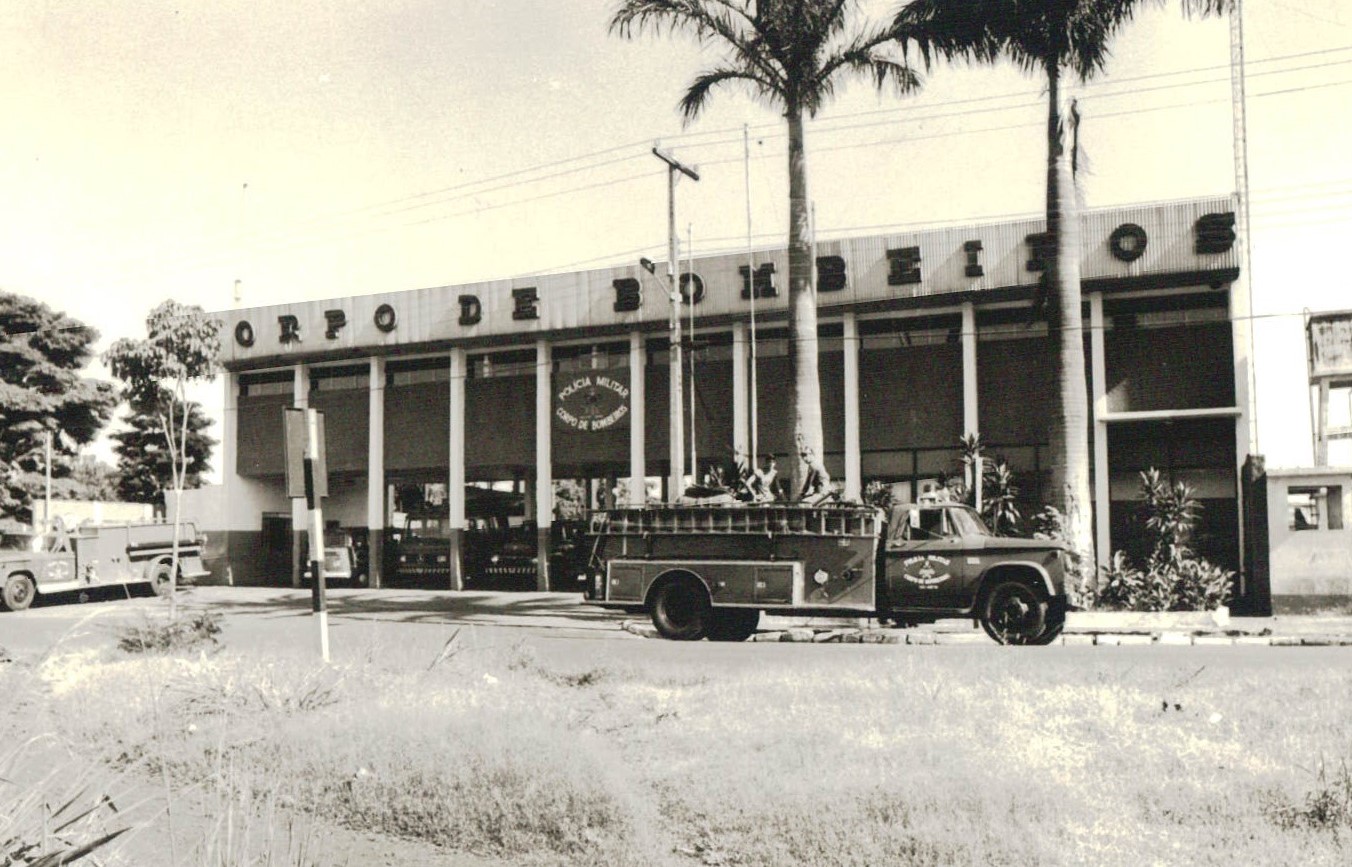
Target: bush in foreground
189	632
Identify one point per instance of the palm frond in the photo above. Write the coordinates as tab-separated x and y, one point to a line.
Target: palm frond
692	103
706	19
720	21
950	30
881	69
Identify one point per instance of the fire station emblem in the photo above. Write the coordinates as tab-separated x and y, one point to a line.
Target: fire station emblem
926	570
58	570
592	402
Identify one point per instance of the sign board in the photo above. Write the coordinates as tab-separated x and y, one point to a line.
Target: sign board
1330	344
297	436
592	400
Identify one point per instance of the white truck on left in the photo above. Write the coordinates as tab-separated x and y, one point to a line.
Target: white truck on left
62	560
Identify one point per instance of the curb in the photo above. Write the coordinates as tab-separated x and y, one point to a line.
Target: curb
810	635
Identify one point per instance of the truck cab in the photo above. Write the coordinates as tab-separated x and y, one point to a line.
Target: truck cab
938	559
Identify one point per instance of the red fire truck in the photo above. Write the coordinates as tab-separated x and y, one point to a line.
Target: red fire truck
708	571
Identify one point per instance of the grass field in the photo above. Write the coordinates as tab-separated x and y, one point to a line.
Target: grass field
805	755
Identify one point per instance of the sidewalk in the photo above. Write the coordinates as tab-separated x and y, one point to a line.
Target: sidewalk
1286	630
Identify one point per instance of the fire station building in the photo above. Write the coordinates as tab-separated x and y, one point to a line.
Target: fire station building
924	337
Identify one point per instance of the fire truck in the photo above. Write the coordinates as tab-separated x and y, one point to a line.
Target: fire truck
98	555
708	571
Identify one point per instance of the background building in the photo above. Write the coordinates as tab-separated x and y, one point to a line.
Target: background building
925	336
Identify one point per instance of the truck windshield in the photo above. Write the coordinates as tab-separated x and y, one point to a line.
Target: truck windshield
966	522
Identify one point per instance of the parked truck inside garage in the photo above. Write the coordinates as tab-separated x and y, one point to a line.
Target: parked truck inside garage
709	571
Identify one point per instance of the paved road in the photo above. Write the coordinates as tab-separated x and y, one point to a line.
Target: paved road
418	623
282	619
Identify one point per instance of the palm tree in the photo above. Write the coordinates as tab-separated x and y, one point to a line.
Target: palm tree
1053	38
789	54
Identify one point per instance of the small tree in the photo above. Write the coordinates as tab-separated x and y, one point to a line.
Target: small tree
181	347
1173	578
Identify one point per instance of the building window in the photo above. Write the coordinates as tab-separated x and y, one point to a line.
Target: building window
1314	508
603	356
272	382
418	371
517	362
339	378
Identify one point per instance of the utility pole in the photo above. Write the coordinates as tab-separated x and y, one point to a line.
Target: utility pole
677	402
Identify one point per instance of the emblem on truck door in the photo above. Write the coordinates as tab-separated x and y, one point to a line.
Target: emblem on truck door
927	570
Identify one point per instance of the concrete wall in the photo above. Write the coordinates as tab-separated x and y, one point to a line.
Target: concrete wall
73	512
1311	568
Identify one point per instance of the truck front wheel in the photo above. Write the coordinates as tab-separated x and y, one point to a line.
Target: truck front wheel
681	610
1015	613
18	592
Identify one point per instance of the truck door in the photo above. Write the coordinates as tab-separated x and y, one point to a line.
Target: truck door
924	560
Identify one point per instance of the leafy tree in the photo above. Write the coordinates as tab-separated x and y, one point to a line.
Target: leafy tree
790	54
42	352
181	347
91	479
145	470
1052	38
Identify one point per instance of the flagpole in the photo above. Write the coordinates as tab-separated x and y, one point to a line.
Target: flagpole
690	269
751	284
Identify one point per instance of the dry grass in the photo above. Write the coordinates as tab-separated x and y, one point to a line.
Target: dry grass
807	755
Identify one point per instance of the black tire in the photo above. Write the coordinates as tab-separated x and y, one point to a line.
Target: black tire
681	610
160	578
733	624
1013	612
18	592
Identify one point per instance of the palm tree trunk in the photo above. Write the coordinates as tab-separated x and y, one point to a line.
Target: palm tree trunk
805	405
1069	434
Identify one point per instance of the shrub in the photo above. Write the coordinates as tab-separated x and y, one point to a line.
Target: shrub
1173	577
175	634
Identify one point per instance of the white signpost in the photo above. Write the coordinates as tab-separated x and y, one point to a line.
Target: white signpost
307	476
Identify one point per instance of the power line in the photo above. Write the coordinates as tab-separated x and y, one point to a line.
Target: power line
468	190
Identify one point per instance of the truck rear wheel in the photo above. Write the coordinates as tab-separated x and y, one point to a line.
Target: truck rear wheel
1015	613
18	592
681	610
733	624
160	575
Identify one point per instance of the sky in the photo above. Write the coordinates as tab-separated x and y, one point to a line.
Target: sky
311	150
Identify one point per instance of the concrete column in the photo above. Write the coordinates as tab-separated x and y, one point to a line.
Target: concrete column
1098	368
1321	427
971	410
853	465
375	473
1246	381
455	477
301	400
638	458
233	519
741	411
544	456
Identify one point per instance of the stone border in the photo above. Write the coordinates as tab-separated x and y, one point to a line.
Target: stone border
811	635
